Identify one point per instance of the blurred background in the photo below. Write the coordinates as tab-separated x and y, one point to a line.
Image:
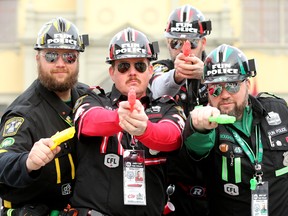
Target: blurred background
259	28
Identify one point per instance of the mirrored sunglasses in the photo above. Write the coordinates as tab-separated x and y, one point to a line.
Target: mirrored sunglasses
69	58
178	43
232	87
139	66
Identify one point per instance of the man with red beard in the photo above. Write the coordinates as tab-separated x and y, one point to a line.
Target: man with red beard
35	179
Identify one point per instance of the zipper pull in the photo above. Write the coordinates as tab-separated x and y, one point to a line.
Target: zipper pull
231	158
271	142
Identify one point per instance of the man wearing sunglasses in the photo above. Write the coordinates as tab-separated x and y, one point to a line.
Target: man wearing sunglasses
36	180
182	73
181	76
247	158
125	132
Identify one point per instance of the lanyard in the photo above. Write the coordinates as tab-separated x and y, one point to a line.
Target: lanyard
255	159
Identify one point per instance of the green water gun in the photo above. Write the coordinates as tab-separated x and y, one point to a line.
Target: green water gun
223	119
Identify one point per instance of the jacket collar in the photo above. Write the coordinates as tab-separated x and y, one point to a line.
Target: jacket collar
56	103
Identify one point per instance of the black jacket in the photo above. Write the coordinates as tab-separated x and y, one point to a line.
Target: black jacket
99	187
231	194
187	175
37	113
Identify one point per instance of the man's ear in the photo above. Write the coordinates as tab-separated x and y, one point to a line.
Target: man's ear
203	41
111	72
37	57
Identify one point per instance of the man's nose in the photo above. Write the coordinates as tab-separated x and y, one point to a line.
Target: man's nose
60	62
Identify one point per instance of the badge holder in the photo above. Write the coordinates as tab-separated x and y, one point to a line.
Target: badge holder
259	194
169	207
134	177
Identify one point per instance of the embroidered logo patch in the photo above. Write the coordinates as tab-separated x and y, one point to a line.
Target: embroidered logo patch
159	68
7	142
66	189
197	191
273	118
111	160
285	159
12	125
78	103
231	189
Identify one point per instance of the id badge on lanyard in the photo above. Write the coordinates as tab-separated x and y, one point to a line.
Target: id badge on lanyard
259	200
134	177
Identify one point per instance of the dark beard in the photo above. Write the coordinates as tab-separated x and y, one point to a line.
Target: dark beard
53	85
238	110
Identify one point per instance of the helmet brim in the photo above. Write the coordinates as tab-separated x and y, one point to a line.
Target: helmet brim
183	35
221	79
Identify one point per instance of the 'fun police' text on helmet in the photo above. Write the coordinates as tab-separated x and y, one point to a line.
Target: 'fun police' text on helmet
227	64
130	43
187	22
60	33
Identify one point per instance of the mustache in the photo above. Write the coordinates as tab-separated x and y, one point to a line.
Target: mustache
133	79
59	70
225	101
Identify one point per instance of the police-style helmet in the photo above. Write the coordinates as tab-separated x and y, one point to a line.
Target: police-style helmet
130	43
187	22
227	64
60	33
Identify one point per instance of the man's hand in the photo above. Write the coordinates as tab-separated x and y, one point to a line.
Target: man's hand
200	118
188	67
41	154
135	122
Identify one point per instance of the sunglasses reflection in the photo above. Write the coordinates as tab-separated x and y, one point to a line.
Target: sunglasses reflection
216	89
178	43
125	66
52	57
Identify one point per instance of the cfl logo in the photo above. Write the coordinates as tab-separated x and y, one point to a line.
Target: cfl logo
231	189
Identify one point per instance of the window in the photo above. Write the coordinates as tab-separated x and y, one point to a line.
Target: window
8	20
265	22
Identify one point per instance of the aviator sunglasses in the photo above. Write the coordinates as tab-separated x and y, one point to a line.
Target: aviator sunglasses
69	58
178	43
139	66
232	87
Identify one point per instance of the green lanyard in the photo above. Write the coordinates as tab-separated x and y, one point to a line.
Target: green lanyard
255	159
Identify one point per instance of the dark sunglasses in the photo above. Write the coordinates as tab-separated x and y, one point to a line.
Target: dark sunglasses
69	58
178	43
232	87
139	66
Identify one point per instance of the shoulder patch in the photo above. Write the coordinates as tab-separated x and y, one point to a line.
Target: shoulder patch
12	125
7	142
160	68
78	103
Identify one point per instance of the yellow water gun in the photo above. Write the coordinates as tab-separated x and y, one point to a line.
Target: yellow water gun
62	136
